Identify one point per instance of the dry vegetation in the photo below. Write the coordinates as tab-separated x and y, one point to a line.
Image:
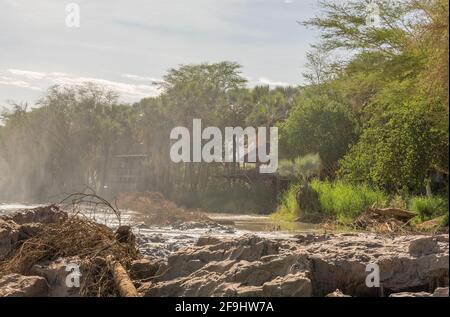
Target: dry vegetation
94	244
156	210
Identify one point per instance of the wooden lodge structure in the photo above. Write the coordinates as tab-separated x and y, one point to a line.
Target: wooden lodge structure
126	173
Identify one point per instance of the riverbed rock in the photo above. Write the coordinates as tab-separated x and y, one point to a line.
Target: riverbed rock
341	263
439	292
56	273
423	246
15	285
337	293
9	235
144	269
291	285
45	215
254	266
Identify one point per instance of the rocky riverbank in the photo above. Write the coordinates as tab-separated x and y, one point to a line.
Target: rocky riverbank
309	265
211	265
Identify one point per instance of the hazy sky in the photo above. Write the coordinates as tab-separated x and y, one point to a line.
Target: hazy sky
125	45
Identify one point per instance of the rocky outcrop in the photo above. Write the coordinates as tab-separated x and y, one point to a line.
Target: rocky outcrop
337	293
15	285
304	266
9	234
439	292
144	269
43	215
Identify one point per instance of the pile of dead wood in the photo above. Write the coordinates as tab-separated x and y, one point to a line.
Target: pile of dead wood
385	220
105	255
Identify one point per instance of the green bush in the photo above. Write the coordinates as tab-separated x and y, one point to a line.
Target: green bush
301	167
288	208
345	201
338	199
429	207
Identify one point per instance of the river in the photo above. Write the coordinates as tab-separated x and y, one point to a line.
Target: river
160	241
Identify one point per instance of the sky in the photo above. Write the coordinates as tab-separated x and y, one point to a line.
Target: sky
126	45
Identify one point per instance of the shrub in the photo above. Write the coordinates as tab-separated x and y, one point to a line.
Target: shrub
346	201
288	208
301	168
339	200
429	207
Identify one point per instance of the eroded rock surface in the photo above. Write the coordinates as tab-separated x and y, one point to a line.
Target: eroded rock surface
56	273
15	285
439	292
311	266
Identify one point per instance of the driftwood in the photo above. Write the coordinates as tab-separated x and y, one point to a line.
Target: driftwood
396	213
121	279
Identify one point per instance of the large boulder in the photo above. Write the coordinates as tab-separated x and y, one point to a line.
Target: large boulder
291	285
15	285
144	269
342	261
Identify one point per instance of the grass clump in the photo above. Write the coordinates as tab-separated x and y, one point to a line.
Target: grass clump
288	208
429	207
346	201
339	200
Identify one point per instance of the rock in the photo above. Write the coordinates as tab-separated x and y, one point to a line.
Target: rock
423	246
15	285
207	240
291	285
439	292
56	273
337	293
46	215
320	265
249	291
410	294
9	235
144	269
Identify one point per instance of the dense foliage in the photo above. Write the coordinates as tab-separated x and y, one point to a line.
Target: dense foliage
376	106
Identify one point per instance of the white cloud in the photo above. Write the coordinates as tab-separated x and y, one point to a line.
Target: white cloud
39	81
26	73
141	78
266	81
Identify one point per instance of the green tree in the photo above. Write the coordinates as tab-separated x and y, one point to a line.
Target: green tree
398	149
318	124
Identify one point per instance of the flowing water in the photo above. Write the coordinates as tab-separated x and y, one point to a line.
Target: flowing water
160	241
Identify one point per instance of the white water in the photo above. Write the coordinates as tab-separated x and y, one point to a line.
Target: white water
162	240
